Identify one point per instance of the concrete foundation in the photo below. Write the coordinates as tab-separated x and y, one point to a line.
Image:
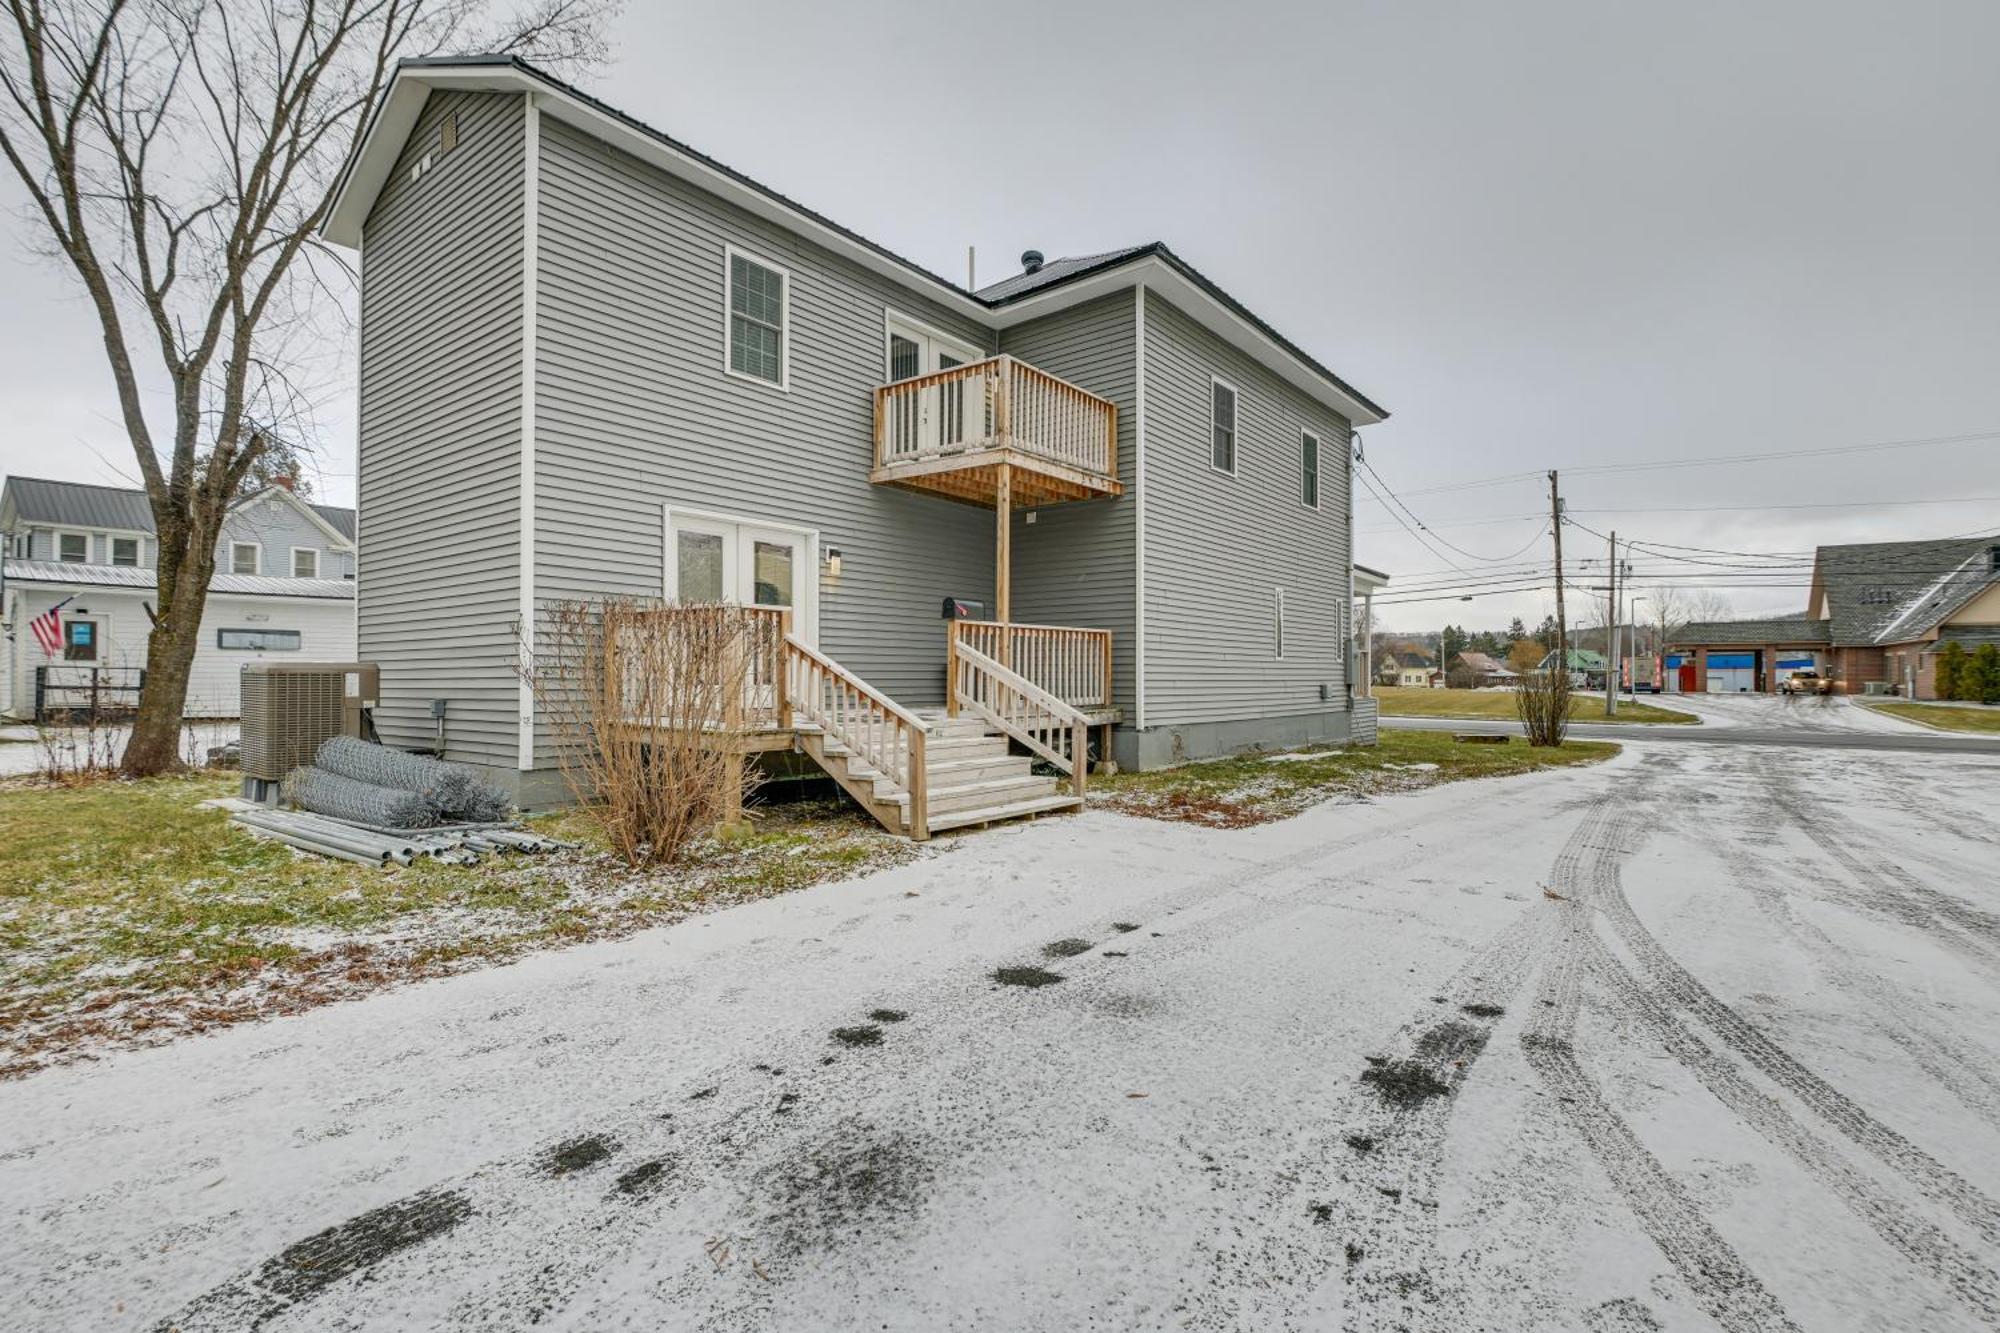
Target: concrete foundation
1163	747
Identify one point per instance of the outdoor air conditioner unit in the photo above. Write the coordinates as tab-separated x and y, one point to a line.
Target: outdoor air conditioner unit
289	708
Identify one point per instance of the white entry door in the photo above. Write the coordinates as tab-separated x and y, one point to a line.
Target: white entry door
940	418
744	563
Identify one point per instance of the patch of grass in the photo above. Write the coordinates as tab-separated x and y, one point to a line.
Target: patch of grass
1257	788
1397	701
1945	717
129	914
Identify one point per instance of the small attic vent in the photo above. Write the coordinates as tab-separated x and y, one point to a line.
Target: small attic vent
1031	261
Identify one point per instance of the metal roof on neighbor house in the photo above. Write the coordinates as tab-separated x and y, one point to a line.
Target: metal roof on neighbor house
1891	592
134	576
1783	630
79	504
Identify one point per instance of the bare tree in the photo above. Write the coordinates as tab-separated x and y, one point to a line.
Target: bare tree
1704	604
179	156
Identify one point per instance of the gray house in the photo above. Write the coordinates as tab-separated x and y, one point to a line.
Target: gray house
594	361
283	588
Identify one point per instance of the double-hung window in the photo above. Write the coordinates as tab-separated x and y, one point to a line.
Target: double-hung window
73	548
243	557
124	550
305	562
758	297
1222	416
1309	468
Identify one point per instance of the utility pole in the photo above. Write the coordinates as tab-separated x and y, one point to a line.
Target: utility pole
1556	526
1611	635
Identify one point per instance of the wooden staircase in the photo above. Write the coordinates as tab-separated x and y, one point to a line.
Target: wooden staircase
970	778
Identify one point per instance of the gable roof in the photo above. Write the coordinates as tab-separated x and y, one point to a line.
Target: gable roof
1000	305
80	504
1888	592
1779	630
1483	662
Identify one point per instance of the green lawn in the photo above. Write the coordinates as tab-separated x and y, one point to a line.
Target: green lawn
1400	702
1970	717
1258	788
129	914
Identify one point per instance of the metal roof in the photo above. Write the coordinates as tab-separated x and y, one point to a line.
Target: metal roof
79	504
1778	630
1891	592
134	576
1054	271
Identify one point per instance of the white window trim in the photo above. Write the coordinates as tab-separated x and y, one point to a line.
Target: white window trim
1235	426
1278	607
111	549
55	551
805	621
1319	466
297	551
730	253
892	317
256	546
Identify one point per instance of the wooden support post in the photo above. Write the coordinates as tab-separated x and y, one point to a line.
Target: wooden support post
920	784
951	668
780	670
1003	554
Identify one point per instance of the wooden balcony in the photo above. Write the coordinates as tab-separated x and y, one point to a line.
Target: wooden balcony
995	432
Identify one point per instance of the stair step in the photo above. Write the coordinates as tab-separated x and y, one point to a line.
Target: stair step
975	795
991	814
958	773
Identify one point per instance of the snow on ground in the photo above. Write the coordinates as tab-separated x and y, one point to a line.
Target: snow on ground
23	751
1701	1038
1821	713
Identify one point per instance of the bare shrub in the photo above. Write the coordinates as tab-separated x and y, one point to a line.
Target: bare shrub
649	705
1544	701
77	754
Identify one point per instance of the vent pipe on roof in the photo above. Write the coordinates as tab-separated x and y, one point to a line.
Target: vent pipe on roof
1031	261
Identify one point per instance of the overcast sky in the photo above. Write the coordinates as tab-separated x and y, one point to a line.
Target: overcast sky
1544	235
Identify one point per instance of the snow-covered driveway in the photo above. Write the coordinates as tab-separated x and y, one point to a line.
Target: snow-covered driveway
1816	713
1705	1037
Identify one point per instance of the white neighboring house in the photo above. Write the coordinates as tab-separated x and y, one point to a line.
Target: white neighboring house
284	589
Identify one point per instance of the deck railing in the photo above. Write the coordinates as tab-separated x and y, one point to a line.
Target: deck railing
873	726
1072	664
998	403
1023	710
759	706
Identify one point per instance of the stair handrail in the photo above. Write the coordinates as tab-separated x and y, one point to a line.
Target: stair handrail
1025	711
883	732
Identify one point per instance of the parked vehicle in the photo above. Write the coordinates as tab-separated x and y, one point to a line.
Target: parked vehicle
1805	682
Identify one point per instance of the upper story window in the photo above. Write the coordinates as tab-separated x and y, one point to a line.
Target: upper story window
243	557
1309	468
73	548
305	562
1222	440
759	328
124	550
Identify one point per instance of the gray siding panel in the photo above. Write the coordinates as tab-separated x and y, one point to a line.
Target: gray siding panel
1076	563
634	412
440	429
1217	546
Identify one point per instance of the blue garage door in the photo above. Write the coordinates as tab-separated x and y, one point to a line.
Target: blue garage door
1732	673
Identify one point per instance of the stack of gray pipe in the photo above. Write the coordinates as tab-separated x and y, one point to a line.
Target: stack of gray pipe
345	841
371	784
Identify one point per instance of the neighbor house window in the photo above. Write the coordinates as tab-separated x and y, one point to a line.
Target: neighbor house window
73	548
1309	468
1222	444
757	323
124	550
259	640
305	562
1278	621
243	557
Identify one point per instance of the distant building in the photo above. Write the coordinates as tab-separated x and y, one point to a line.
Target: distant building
1484	669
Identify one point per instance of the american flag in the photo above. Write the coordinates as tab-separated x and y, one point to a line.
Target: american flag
47	627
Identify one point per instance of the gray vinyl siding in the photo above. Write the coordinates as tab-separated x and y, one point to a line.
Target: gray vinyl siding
278	526
440	424
1076	563
1218	546
634	412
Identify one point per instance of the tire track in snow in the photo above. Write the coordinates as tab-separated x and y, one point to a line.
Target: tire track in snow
1926	1246
1720	1281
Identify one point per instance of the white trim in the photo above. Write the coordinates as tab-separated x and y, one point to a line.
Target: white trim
730	254
369	169
805	617
55	552
531	232
1139	506
312	551
333	534
147	589
254	545
891	317
1235	426
1278	624
1318	468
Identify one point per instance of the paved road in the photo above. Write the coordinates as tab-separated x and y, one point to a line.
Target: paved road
1699	1039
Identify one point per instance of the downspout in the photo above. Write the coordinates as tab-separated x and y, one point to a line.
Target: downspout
1347	659
1139	508
531	228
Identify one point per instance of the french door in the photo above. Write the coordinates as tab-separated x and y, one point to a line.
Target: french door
746	564
941	418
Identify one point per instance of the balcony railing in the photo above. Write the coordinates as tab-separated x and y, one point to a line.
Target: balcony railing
996	404
1072	664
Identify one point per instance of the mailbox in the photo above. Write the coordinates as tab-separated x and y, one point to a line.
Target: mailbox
961	608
